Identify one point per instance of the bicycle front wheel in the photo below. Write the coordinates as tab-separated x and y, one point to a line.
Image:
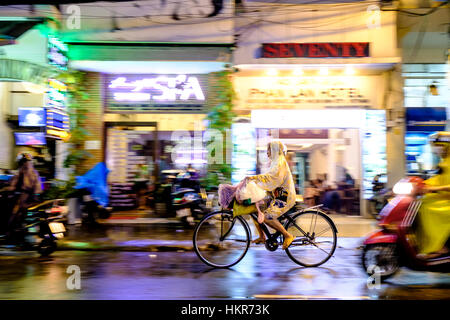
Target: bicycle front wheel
221	240
315	238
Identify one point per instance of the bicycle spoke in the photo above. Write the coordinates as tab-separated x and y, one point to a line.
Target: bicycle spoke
309	250
221	240
322	232
315	244
298	228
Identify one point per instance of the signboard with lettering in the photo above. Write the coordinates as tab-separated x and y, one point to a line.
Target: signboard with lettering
55	103
31	117
426	119
307	92
57	53
316	50
373	145
147	92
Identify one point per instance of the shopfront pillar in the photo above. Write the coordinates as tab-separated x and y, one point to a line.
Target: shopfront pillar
93	122
395	134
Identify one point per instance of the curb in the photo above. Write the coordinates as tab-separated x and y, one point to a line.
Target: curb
166	245
143	246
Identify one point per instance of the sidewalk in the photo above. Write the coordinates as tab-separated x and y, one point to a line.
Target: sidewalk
167	234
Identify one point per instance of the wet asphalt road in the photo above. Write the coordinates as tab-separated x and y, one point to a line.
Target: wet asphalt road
181	275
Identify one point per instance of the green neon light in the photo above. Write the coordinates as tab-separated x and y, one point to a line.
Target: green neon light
20	19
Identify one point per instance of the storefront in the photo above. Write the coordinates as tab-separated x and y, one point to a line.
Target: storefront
147	114
425	72
33	103
427	109
323	143
152	82
325	93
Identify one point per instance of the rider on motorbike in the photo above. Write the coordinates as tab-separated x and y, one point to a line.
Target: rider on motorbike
434	217
27	184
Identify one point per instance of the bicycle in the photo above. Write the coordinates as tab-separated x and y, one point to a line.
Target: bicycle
221	240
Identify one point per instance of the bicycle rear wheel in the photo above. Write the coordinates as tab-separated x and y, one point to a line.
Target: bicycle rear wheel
220	240
315	240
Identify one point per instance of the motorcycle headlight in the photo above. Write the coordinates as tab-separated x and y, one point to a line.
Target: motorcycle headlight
403	188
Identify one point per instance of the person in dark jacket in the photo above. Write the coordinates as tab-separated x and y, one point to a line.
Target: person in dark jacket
27	184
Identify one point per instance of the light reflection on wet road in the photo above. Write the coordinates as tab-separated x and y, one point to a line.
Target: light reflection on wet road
181	275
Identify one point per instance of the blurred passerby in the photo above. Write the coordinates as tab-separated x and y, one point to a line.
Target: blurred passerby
349	181
331	199
28	184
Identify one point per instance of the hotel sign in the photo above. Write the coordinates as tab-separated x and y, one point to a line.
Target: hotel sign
307	92
316	50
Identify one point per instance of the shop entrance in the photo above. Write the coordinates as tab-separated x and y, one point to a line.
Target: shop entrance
342	150
325	164
132	156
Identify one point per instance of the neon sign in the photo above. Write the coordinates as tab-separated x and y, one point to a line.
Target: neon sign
56	95
55	103
158	88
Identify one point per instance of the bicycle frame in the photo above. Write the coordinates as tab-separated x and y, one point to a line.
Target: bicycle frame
225	222
286	216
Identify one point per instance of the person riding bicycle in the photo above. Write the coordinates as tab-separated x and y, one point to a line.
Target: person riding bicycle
434	216
280	187
27	184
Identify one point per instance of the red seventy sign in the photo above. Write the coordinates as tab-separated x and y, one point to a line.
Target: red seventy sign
315	50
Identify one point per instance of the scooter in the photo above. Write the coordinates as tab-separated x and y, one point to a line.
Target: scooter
92	191
90	208
381	195
184	198
41	226
190	206
393	245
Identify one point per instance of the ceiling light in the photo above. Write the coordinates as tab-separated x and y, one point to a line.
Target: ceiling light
272	72
323	71
298	72
350	71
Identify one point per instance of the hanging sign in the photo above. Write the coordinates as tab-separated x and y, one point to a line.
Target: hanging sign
57	53
55	103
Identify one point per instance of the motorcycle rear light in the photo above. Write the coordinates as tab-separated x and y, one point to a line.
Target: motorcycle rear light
389	227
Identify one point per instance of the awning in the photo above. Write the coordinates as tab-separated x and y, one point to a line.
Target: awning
12	28
147	57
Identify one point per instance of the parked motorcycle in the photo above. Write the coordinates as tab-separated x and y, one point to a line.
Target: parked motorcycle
91	209
381	195
41	226
190	206
92	192
393	245
183	198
